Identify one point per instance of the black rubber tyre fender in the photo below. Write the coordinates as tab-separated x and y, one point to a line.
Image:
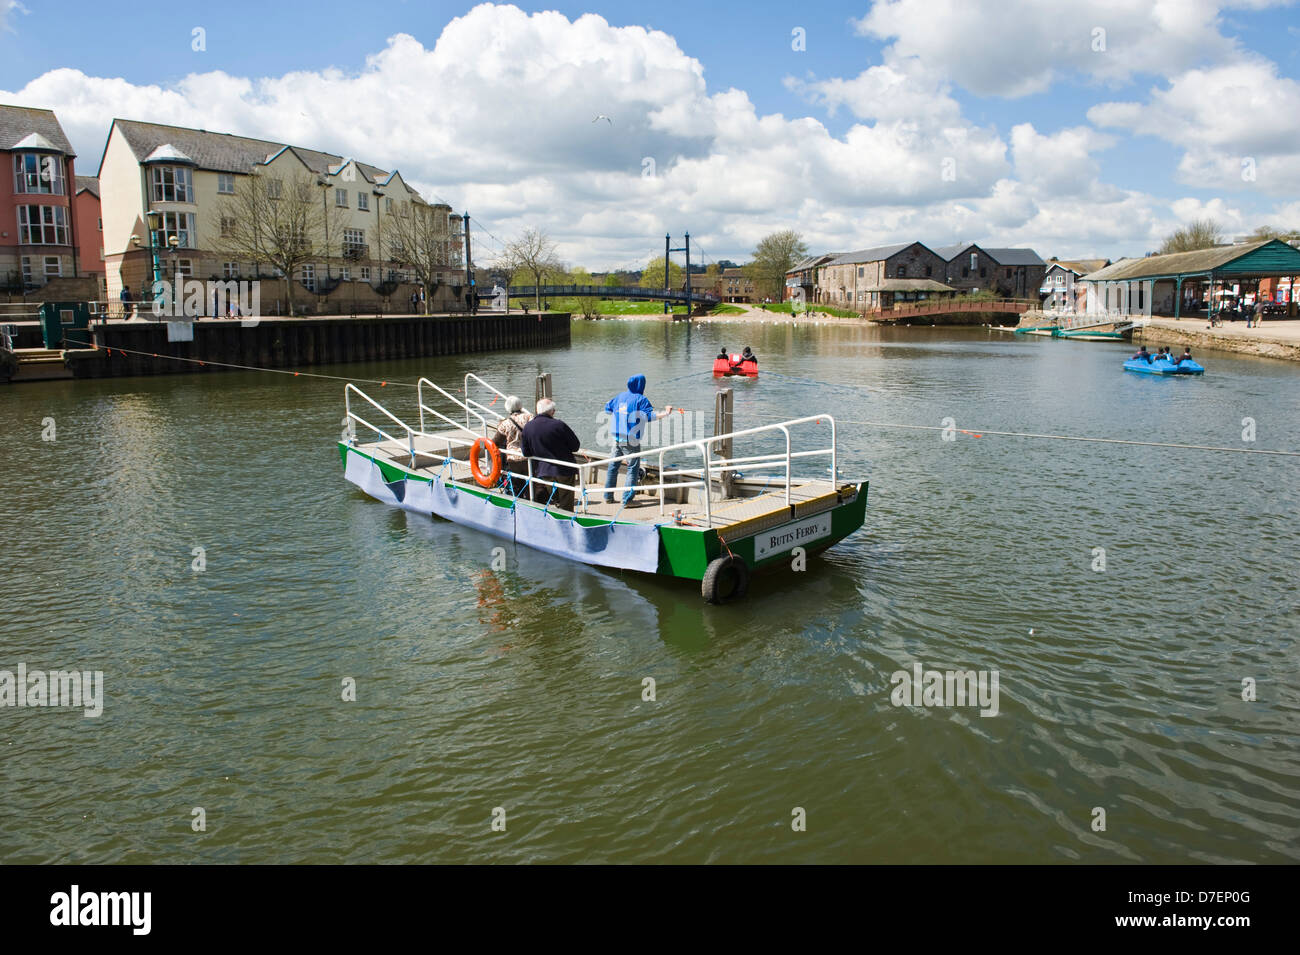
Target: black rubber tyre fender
725	579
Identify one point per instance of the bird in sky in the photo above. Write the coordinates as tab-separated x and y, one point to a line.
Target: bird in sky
604	117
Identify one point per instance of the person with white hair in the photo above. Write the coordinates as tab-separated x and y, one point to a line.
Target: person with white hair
545	436
510	429
509	436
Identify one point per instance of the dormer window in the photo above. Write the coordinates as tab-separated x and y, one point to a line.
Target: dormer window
171	184
38	173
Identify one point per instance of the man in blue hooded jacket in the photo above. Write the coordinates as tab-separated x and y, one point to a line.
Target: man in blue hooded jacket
631	411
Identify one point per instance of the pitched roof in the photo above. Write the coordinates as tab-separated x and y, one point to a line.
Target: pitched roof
225	152
1278	259
878	254
19	122
1080	266
950	252
88	183
908	285
1014	256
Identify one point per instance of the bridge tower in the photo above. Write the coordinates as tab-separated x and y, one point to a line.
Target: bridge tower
668	250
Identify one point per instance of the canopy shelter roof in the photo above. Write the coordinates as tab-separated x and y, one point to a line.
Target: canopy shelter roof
1254	259
908	285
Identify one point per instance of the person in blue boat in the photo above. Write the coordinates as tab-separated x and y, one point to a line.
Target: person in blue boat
631	411
1143	354
1185	356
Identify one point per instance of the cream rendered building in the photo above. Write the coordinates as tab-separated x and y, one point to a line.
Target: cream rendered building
188	178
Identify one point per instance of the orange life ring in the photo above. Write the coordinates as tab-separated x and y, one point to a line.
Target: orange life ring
490	479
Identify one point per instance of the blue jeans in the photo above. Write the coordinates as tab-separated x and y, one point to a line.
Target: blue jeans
633	471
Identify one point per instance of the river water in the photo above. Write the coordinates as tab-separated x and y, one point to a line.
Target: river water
1120	689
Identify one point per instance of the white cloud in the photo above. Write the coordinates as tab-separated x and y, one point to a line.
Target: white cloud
1238	124
7	9
1018	47
508	134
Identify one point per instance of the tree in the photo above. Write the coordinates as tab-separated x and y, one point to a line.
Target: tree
280	222
652	276
1274	232
775	255
611	280
533	254
419	237
1200	234
579	276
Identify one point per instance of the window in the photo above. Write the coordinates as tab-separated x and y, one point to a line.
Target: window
101	223
274	188
346	274
388	206
309	277
184	268
1140	290
171	184
27	270
1008	273
341	198
353	239
965	272
974	261
928	270
984	271
53	267
42	225
363	202
178	224
860	271
227	225
230	270
902	271
365	273
226	183
36	173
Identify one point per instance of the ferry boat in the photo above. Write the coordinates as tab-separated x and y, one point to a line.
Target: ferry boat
701	512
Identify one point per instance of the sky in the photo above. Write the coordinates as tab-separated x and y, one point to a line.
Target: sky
1080	129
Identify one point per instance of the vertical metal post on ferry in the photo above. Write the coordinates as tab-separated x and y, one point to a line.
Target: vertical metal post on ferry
688	279
543	388
723	424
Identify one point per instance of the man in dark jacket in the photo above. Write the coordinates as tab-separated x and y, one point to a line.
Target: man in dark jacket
547	437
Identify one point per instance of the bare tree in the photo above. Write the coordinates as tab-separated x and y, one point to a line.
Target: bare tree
277	221
535	255
1200	234
419	237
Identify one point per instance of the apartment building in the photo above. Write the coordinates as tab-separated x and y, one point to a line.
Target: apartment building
43	242
172	198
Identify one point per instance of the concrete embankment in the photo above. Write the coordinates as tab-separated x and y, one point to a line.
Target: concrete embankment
144	348
1272	339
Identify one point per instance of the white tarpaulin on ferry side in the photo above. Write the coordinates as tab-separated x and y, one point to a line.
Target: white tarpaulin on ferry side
627	546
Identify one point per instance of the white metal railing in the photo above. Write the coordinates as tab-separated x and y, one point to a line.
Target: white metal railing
419	393
584	487
479	405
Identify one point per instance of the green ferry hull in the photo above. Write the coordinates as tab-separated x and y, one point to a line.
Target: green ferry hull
684	550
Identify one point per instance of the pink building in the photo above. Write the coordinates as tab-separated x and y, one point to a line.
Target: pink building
40	240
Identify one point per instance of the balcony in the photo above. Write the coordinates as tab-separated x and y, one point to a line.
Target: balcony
353	250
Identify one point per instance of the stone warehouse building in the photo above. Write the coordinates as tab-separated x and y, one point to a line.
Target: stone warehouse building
1007	273
48	234
879	277
177	200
